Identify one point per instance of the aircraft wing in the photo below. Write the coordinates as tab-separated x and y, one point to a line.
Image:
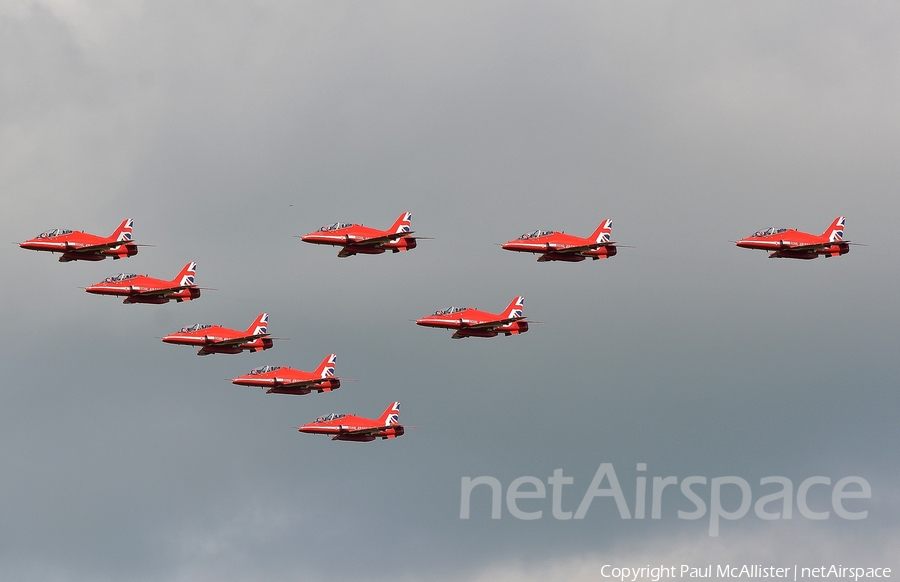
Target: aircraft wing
88	249
817	246
297	383
581	248
239	340
369	430
492	324
377	240
159	292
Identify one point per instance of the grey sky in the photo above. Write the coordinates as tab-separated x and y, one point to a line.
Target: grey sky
226	130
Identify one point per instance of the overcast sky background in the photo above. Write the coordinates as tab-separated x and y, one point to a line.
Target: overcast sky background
225	130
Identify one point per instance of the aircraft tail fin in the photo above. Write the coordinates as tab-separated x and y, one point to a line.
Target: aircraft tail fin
123	233
391	416
260	325
515	309
603	232
402	224
186	277
326	368
835	232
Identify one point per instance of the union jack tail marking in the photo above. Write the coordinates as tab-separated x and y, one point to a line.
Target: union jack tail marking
835	232
326	368
603	232
516	309
391	416
402	224
123	233
260	325
186	277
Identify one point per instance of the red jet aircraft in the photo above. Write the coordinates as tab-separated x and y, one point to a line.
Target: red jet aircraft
347	427
284	380
215	339
82	246
788	243
144	289
471	322
359	239
559	246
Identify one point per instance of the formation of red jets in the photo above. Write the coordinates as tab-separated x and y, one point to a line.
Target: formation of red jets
358	239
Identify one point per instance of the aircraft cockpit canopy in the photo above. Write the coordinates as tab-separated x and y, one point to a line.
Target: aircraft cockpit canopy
450	310
54	232
119	277
331	416
263	370
195	327
535	234
335	226
769	231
